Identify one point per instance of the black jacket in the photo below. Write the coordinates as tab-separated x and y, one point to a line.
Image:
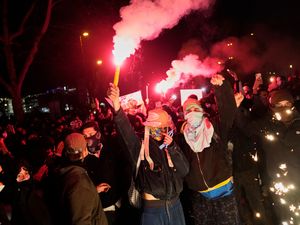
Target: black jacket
77	200
28	207
210	167
163	182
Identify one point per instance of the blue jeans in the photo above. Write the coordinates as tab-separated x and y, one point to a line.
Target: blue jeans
169	214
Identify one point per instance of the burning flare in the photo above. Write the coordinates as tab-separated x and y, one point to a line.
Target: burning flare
145	19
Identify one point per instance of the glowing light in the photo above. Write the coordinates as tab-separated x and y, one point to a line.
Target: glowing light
292	208
285	223
291	66
254	157
282	166
99	62
174	97
219	62
270	137
280	189
203	89
272	79
230	57
123	48
282	201
277	116
252	34
85	34
288	111
257	215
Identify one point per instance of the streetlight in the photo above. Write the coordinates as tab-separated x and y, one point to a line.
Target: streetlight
85	34
99	62
82	36
291	69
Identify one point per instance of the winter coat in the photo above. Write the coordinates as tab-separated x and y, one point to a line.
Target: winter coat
163	182
77	199
211	166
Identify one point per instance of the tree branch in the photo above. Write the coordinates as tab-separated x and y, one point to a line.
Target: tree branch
22	25
7	48
34	49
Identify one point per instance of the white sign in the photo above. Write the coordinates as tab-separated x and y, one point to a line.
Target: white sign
134	98
185	93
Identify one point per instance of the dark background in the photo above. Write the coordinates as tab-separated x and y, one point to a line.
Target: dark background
62	61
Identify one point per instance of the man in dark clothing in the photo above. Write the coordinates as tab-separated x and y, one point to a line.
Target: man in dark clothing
279	134
76	197
106	168
248	164
160	175
28	207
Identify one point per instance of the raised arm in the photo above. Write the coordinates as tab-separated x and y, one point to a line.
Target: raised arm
123	125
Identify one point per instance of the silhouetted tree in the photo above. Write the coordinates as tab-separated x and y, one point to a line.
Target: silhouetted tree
19	41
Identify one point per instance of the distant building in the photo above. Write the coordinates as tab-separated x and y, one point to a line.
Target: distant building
55	101
6	106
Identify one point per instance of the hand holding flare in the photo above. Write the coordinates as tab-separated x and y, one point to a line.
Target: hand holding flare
113	93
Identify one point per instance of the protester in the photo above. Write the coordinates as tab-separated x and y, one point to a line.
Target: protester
204	142
107	169
279	134
160	175
28	206
75	197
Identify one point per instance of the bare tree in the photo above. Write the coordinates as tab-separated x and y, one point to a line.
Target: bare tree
15	66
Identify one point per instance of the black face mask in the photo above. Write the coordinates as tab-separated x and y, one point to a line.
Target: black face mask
93	143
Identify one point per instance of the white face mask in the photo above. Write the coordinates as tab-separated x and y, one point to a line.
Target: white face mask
194	119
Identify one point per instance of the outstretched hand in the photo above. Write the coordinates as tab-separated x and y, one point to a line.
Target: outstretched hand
217	79
239	97
103	187
113	93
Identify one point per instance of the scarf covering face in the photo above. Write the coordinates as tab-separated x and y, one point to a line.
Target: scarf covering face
198	137
194	118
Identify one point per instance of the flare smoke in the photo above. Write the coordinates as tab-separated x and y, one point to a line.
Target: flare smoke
190	65
145	19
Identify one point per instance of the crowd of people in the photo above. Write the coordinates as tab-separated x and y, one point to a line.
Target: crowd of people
231	157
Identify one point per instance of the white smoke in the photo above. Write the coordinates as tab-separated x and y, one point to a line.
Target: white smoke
145	19
189	66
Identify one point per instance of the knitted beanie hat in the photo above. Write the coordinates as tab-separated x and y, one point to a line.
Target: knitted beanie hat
189	103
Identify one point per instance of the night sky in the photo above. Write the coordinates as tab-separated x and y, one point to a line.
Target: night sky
62	62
